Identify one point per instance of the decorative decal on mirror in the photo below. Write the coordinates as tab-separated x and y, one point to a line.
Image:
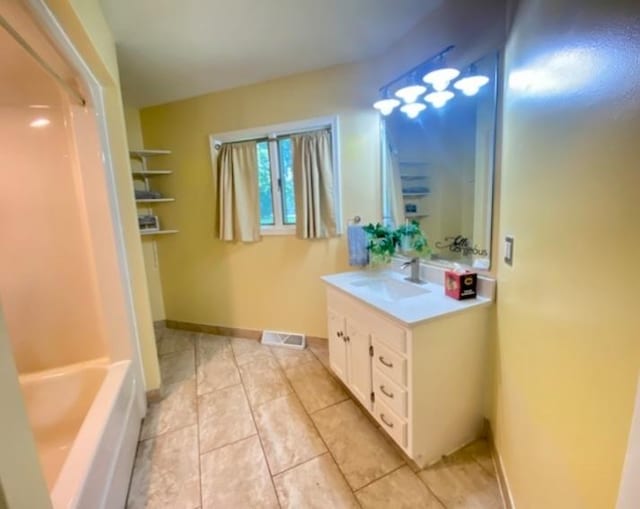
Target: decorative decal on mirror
460	244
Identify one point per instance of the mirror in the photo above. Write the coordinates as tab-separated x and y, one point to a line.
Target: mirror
438	170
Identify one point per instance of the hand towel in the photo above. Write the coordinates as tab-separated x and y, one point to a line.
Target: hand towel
357	242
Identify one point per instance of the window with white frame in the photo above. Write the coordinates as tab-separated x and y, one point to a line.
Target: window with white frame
275	183
276	189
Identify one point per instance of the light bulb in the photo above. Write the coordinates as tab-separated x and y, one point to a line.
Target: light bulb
40	122
471	84
411	93
439	99
386	106
440	78
412	110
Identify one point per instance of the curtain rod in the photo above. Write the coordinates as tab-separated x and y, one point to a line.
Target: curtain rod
25	45
217	144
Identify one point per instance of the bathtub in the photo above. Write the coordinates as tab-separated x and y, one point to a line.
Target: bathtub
85	420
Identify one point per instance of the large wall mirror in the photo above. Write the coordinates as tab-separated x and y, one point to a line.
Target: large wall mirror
438	170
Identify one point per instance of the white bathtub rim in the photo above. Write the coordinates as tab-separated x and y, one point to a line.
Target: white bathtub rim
75	470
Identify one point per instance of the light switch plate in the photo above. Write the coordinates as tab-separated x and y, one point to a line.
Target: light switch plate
508	250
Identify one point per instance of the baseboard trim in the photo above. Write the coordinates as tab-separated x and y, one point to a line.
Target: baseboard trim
503	484
154	395
221	330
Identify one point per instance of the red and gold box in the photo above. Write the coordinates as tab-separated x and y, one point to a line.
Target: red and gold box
460	285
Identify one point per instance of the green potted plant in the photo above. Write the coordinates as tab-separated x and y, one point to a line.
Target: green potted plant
412	240
382	243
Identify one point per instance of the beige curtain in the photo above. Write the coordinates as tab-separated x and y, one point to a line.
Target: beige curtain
396	201
238	204
314	186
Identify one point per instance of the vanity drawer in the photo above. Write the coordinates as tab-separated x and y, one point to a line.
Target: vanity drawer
389	334
390	363
391	423
394	396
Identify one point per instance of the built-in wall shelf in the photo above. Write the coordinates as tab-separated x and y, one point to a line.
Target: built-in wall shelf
415	195
155	200
415	215
149	219
159	232
151	173
148	153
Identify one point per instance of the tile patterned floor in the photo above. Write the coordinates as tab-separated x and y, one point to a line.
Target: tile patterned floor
242	425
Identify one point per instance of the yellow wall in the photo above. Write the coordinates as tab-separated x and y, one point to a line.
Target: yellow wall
152	268
568	347
83	22
275	283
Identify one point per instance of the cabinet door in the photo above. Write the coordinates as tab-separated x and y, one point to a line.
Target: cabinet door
359	361
337	345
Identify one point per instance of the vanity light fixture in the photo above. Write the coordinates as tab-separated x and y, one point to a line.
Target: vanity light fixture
410	93
470	85
471	81
439	99
386	106
440	78
412	110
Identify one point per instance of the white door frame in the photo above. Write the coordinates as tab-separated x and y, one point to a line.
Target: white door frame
629	494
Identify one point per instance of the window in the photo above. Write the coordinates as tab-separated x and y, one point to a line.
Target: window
275	183
276	189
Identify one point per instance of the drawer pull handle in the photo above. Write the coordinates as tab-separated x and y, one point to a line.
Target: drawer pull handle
387	394
347	339
339	334
390	424
388	364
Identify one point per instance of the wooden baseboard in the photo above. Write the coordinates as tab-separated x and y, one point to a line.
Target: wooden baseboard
221	330
503	485
154	395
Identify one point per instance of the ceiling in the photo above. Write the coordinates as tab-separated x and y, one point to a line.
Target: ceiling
170	50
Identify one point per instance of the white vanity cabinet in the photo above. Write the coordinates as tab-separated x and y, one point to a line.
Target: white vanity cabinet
424	383
349	345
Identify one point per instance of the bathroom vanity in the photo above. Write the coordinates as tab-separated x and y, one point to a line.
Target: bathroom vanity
414	358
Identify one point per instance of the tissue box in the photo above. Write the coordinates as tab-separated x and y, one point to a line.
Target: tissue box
460	285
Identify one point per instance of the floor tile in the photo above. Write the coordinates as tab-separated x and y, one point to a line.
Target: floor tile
177	367
216	367
480	451
400	489
212	347
249	350
461	483
316	484
176	409
236	476
166	472
175	341
289	357
264	381
287	433
315	387
320	348
361	451
224	417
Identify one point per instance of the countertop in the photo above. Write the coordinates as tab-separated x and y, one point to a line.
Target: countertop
410	311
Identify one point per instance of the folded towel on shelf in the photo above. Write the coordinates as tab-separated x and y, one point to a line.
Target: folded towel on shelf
415	190
357	243
142	194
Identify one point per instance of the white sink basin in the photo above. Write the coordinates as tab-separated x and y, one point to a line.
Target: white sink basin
389	289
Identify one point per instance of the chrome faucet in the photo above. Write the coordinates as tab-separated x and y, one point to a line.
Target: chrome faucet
415	270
